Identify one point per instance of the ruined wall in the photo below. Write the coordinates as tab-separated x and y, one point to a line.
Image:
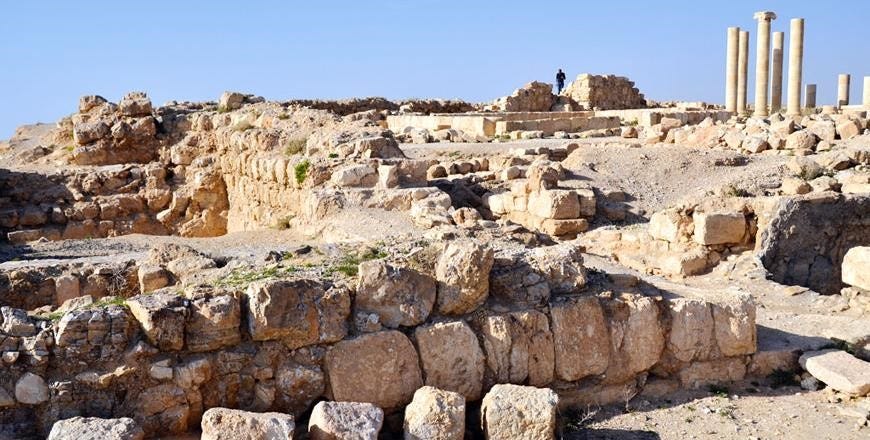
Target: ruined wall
605	92
807	238
532	97
475	318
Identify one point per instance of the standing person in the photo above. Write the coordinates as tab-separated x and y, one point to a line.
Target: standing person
560	81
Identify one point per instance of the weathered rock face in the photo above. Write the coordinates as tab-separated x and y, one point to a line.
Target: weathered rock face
463	277
345	420
691	337
380	368
298	313
451	357
31	389
605	92
528	279
519	412
162	316
814	233
435	414
399	296
637	338
93	428
232	424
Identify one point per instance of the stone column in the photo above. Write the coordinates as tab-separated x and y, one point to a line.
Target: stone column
732	53
810	96
795	65
762	61
843	89
866	92
776	73
742	72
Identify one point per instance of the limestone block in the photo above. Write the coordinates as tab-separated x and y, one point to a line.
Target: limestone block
94	428
297	386
555	204
824	130
691	337
400	296
355	176
152	277
388	176
345	421
856	267
839	370
380	368
87	102
669	225
755	144
519	348
162	318
581	338
435	414
135	104
89	132
795	186
563	227
462	274
66	287
514	412
15	322
714	371
213	323
561	265
848	129
719	227
233	424
294	312
801	140
804	167
587	202
734	323
31	389
451	357
636	336
689	262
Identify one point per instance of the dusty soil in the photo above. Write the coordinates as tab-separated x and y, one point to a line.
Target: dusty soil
745	410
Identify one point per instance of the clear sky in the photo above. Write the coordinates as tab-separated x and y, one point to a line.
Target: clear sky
54	52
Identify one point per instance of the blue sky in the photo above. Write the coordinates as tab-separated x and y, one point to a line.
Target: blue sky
54	52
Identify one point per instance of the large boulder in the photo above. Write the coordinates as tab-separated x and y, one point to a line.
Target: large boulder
296	312
555	204
580	337
463	277
839	370
93	428
380	368
519	348
514	412
801	140
435	414
89	132
856	267
231	101
233	424
451	357
397	295
345	421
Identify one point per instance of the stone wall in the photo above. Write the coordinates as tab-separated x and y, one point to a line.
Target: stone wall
532	97
482	316
605	92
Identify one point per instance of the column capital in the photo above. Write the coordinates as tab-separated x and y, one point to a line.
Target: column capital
764	15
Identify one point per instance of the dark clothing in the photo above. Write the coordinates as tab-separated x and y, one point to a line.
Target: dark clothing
560	81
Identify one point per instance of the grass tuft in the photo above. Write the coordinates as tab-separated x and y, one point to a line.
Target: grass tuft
300	171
